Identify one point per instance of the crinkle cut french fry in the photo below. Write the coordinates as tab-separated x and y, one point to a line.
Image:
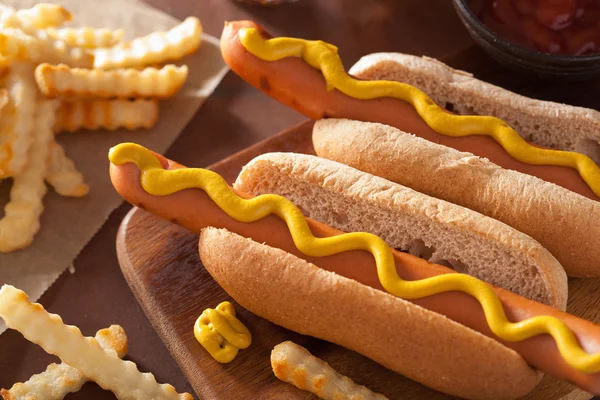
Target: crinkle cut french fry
60	379
22	39
40	16
42	48
22	213
54	383
44	15
106	114
155	48
60	80
17	44
63	175
294	364
58	52
16	121
87	37
84	353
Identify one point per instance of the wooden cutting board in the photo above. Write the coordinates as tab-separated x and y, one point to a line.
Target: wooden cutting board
161	264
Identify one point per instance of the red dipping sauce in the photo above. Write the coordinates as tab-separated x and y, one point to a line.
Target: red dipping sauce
568	27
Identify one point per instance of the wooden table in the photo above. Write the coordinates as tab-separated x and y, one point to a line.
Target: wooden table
236	116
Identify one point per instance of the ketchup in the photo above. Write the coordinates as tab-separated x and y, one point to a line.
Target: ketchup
568	27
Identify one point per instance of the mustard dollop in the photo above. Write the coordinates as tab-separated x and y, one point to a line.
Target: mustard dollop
160	182
324	56
221	333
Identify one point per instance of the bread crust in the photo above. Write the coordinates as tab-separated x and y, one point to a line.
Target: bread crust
420	344
441	232
549	124
562	221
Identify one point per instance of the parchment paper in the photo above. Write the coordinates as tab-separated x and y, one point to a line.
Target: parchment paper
68	224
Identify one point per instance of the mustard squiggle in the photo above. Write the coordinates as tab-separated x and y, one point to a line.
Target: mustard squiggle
324	56
160	182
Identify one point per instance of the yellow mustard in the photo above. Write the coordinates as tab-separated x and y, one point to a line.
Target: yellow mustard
324	56
221	333
160	182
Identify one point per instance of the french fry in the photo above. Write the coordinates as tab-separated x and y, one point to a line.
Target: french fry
60	379
22	213
60	80
16	122
39	16
294	364
19	45
87	37
58	52
155	48
45	15
63	175
106	114
42	48
21	36
84	353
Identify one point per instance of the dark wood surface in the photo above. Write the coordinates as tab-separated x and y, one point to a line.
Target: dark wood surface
236	116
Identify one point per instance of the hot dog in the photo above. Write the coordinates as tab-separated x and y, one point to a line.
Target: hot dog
136	173
295	77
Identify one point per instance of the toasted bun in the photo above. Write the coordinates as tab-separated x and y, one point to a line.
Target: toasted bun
548	124
354	201
410	340
563	221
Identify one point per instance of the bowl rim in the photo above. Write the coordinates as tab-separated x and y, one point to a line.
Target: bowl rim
540	55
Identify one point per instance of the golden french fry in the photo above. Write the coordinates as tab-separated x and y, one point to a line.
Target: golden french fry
155	48
42	48
60	80
60	379
106	114
22	213
19	45
45	15
41	15
58	52
294	364
87	37
21	37
84	353
63	175
16	123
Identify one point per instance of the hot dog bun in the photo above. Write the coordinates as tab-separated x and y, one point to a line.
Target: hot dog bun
545	123
441	232
408	339
564	222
